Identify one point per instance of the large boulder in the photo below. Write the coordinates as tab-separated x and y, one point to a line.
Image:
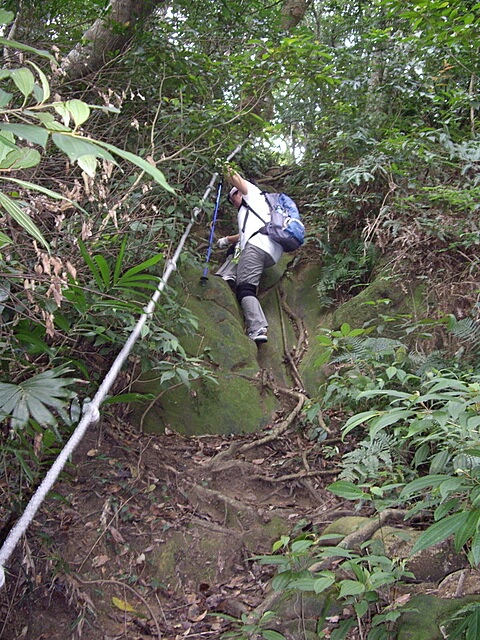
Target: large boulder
237	402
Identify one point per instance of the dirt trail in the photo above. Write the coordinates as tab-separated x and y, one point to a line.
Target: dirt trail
152	536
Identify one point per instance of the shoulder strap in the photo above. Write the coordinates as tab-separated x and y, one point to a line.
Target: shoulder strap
249	208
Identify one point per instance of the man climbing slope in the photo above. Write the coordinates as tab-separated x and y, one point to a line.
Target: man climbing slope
257	251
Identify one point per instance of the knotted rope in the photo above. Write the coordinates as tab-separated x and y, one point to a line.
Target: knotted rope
91	411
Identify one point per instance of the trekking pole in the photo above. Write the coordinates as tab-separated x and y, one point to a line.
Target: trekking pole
204	278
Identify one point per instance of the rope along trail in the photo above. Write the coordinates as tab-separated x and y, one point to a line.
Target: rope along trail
91	412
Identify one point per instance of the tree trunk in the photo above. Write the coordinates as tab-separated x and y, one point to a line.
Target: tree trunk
107	34
293	12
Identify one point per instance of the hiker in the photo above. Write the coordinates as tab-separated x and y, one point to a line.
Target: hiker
257	250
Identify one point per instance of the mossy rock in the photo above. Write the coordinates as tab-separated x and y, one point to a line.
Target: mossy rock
356	312
298	613
236	403
208	556
424	615
345	526
232	406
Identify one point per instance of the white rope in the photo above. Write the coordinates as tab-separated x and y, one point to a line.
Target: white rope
91	412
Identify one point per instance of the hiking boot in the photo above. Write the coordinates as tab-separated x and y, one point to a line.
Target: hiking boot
259	336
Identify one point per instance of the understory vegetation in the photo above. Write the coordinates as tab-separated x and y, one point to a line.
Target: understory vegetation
368	117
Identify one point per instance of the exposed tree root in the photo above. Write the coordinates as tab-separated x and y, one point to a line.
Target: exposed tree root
302	341
300	475
355	539
236	447
220	507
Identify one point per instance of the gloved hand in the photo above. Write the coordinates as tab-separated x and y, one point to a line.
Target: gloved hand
223	243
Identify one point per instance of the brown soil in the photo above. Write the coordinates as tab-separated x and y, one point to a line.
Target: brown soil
152	536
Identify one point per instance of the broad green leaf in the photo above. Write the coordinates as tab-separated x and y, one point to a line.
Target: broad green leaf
324	582
381	578
104	270
465	532
39	412
166	375
417	426
281	581
356	332
6	17
21	158
322	359
473	423
30	132
63	112
391	417
361	608
44	190
34	344
7	393
5	98
139	162
24	47
23	219
269	634
351	588
4	239
43	79
450	384
440	530
475	549
88	164
385	392
75	147
48	121
80	111
7	144
19	415
301	545
334	552
141	267
343	629
347	490
439	462
420	484
358	419
450	486
273	560
23	79
345	329
304	583
183	375
473	632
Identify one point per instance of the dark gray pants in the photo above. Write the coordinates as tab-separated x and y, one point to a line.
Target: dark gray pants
253	262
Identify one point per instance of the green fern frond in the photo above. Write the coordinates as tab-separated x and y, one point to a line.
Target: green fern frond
370	458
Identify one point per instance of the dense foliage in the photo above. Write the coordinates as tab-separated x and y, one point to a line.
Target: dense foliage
371	111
